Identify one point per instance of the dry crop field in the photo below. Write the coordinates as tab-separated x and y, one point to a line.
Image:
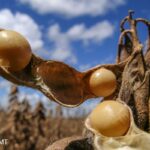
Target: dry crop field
28	129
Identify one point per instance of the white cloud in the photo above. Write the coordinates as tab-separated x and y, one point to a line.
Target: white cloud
24	24
79	32
63	40
62	48
64	55
96	33
73	8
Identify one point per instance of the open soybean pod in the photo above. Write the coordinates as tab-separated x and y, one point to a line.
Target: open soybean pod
58	81
66	85
62	82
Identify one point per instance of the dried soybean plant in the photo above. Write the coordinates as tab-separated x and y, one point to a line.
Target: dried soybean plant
69	87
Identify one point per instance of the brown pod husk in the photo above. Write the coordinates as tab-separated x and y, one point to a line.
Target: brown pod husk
60	82
134	139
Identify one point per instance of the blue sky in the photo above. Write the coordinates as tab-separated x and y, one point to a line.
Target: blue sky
82	33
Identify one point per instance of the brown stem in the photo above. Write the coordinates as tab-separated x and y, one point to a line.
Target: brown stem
136	44
147	23
148	44
123	22
120	45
